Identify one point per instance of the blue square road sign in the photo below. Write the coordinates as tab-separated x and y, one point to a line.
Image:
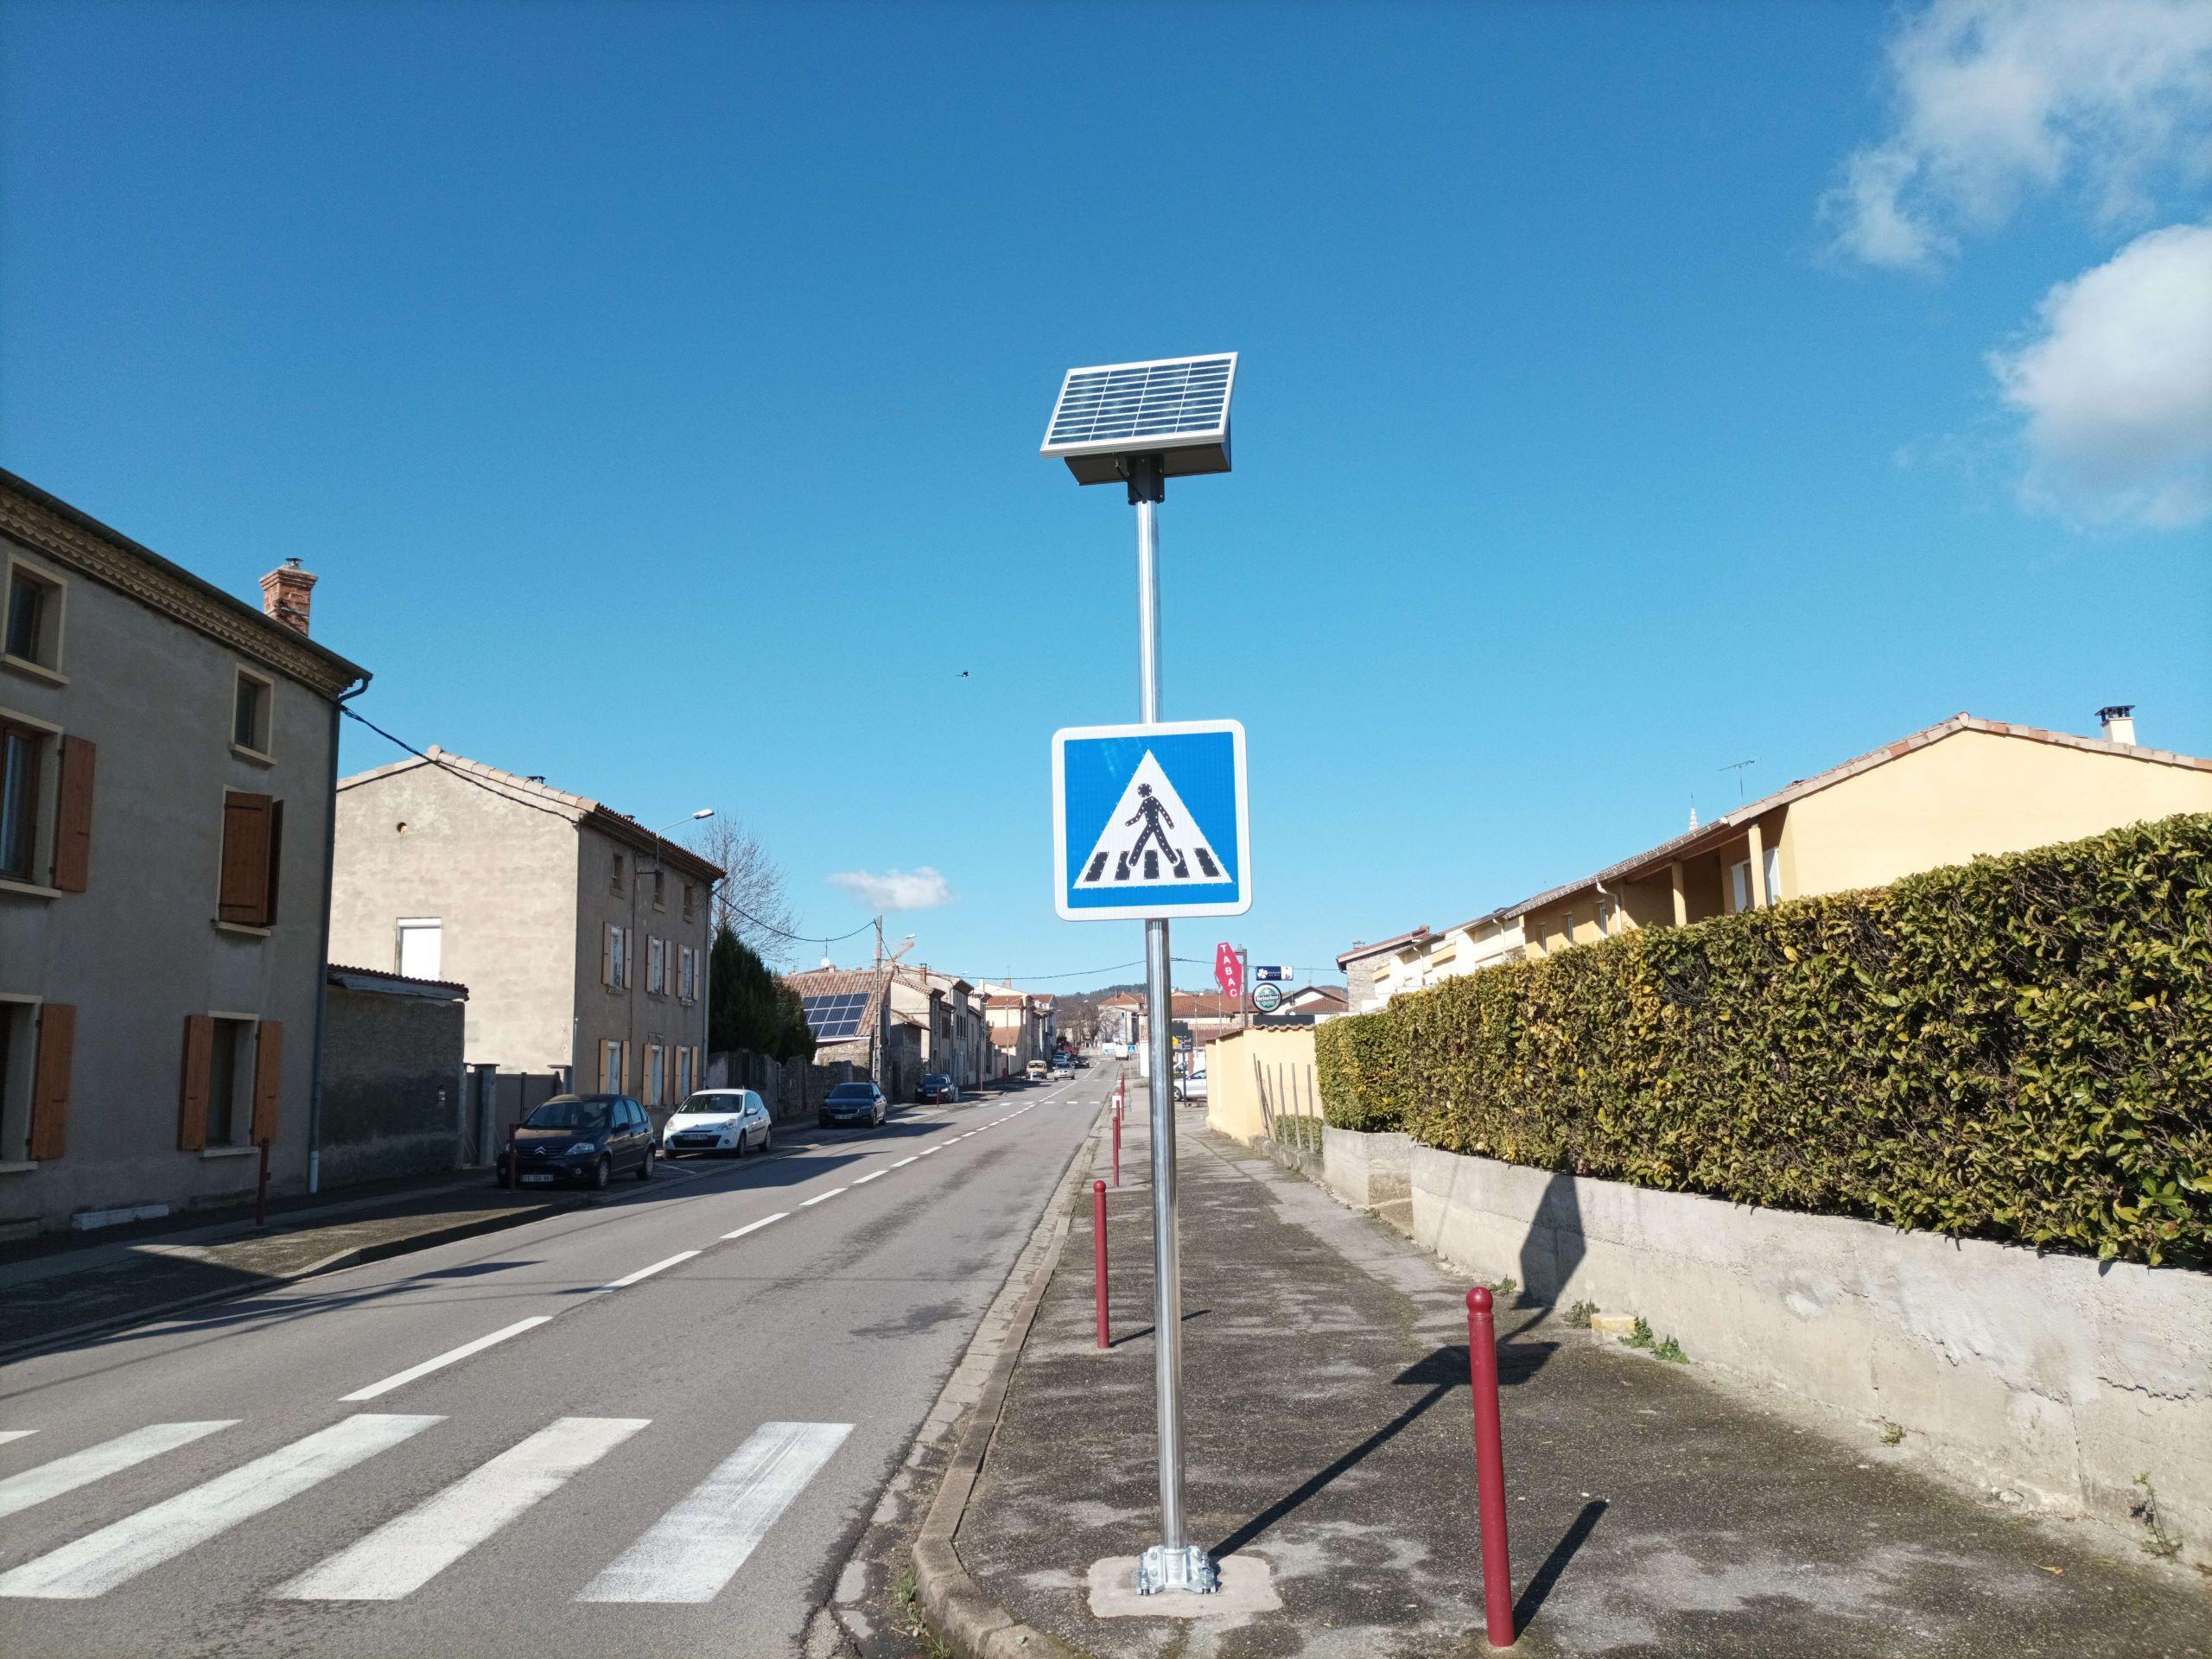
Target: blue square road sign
1150	821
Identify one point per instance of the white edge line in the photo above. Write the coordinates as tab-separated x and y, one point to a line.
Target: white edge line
399	1378
755	1226
821	1198
647	1272
873	1175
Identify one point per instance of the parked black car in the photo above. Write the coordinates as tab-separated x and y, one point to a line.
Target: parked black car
936	1089
587	1138
853	1102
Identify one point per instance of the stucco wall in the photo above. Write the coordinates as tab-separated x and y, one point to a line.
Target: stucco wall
2051	1376
391	1086
501	878
139	951
1233	1090
1972	793
634	1014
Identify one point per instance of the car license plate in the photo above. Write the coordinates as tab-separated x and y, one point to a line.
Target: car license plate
531	1176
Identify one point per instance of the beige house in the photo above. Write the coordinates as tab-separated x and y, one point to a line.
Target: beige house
947	1013
1942	795
166	754
1961	788
581	935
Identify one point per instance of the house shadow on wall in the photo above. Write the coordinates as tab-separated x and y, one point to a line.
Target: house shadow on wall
1553	1246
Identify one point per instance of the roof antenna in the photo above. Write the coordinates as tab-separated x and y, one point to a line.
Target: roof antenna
1739	767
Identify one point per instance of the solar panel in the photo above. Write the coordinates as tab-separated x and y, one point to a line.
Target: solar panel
1176	408
836	1018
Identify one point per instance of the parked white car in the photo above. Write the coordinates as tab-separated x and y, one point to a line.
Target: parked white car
734	1120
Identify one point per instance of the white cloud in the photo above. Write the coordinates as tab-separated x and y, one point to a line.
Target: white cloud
2115	385
918	889
1996	99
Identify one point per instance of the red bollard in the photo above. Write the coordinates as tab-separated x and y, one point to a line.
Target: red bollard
1099	1254
261	1188
1117	1150
1489	1467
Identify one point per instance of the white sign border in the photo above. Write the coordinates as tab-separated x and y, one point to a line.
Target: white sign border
1141	912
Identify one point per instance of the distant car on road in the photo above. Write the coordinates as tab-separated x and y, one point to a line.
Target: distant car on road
1062	1068
587	1138
850	1103
936	1089
734	1120
1035	1071
1193	1086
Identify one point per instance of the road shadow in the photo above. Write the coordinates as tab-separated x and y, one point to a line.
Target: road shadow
1540	1586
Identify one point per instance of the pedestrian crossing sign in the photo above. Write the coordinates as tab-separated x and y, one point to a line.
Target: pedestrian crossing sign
1150	821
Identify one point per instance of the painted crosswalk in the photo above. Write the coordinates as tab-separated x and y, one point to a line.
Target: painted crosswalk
688	1556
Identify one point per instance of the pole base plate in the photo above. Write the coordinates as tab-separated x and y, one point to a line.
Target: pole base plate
1187	1568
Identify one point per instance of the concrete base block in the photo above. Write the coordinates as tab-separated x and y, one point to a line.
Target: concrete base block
1247	1586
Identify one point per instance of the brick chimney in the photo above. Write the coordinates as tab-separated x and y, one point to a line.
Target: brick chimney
286	593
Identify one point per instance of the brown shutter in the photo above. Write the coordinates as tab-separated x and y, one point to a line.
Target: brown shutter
607	956
199	1077
73	828
276	860
244	892
57	1043
268	1079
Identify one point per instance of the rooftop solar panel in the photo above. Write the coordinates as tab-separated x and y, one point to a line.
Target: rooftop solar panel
835	1018
1175	408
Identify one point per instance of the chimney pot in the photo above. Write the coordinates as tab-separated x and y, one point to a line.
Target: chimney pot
286	593
2118	722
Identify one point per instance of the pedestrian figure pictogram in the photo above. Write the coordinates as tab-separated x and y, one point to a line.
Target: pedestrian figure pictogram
1151	840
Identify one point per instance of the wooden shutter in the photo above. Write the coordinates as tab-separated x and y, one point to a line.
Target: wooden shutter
606	961
268	1079
199	1076
245	894
57	1043
72	828
275	857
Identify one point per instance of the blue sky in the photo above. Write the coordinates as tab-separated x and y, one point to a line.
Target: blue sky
1627	390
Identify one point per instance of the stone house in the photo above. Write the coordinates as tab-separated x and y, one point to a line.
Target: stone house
947	1014
167	758
581	934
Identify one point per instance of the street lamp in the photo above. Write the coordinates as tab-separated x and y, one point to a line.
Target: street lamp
1141	424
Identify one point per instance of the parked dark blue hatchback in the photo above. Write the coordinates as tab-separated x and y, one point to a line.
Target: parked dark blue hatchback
853	1102
587	1138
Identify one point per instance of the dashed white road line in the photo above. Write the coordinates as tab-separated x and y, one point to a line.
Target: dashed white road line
400	1379
821	1198
96	1462
926	1151
647	1272
902	1163
873	1175
755	1226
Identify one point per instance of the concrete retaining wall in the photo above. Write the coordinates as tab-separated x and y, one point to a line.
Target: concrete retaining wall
2050	1375
1372	1172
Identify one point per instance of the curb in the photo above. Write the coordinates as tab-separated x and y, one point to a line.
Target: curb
357	1255
962	1614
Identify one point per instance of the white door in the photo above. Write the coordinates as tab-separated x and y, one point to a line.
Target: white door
420	946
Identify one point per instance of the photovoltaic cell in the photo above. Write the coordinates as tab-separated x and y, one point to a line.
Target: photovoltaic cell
836	1019
1142	400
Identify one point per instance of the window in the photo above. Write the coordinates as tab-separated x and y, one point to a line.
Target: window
656	1073
33	636
613	1066
660	891
233	1076
36	1045
250	706
683	1077
422	946
1773	875
1739	885
690	901
253	835
614	959
656	967
687	970
615	863
23	751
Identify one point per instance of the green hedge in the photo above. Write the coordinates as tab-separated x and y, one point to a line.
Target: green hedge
2018	1048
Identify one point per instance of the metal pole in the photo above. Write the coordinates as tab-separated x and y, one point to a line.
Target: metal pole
1173	1563
1490	1468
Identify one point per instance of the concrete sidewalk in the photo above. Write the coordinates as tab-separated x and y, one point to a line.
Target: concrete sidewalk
1327	1417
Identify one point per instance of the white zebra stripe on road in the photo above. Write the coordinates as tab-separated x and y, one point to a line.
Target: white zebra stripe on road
690	1553
406	1553
8	1434
96	1462
115	1554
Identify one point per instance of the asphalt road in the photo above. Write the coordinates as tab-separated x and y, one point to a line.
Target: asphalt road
651	1427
